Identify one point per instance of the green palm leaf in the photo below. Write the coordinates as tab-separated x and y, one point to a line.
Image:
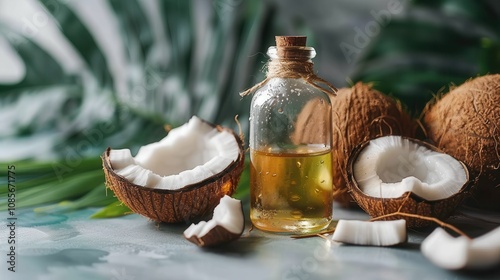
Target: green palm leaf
175	67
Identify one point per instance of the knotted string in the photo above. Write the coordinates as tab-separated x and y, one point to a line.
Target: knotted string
294	69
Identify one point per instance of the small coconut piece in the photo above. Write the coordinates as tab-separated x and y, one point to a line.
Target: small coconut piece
377	233
465	123
361	113
226	225
461	252
180	178
394	173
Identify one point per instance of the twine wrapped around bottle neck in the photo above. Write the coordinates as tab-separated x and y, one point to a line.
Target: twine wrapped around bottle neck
294	68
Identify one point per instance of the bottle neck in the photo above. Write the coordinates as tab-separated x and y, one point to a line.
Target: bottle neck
293	62
290	62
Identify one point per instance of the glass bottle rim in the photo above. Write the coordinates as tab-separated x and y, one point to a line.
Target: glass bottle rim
307	52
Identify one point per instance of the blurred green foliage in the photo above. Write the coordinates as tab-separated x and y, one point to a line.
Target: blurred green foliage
435	44
205	60
192	74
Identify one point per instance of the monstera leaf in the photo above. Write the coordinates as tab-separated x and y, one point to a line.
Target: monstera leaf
179	59
144	64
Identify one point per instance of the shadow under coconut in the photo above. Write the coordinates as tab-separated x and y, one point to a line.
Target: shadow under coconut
244	246
177	228
491	273
407	246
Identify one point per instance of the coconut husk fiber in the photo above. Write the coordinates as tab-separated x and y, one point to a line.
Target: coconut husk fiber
465	123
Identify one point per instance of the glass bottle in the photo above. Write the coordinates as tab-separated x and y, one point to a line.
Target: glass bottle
290	144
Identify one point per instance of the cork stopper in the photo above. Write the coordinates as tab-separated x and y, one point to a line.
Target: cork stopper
290	41
293	47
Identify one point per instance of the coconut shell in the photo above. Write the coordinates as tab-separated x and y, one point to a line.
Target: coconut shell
359	114
187	204
217	236
408	202
465	123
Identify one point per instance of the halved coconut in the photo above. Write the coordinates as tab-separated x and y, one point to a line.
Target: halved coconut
394	172
180	178
226	225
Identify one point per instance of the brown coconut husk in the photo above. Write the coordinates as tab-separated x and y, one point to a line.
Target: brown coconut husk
311	126
361	113
409	202
218	235
188	204
465	123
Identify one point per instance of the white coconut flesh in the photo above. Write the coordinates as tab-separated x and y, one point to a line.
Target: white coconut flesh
392	165
228	214
461	252
377	233
187	155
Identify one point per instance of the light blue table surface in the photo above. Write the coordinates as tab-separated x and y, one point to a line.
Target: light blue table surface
72	246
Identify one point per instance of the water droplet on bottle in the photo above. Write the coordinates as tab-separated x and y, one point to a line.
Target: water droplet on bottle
316	190
296	214
322	181
274	174
294	197
299	164
280	110
307	177
322	161
267	173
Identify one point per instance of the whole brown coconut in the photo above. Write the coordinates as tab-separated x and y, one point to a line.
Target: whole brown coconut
361	113
465	123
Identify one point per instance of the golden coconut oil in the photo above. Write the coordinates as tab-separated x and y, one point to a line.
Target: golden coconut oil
291	191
